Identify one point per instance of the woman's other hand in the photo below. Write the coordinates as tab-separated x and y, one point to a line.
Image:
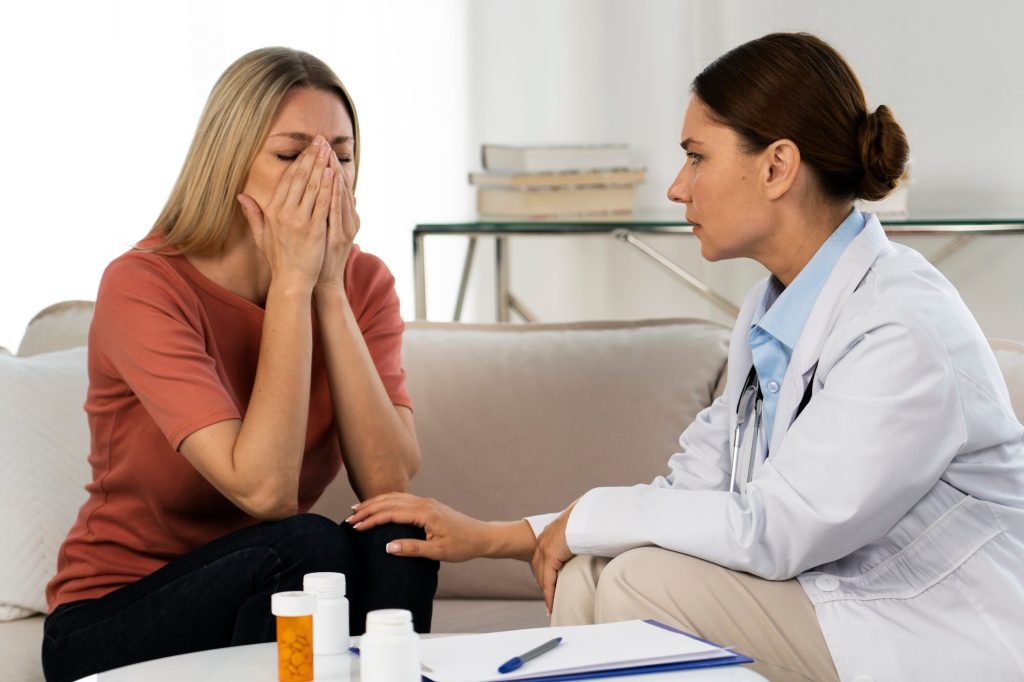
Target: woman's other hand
551	554
451	535
342	227
291	230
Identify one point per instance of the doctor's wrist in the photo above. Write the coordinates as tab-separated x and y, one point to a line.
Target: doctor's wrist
509	540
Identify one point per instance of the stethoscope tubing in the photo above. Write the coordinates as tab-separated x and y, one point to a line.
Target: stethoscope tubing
751	389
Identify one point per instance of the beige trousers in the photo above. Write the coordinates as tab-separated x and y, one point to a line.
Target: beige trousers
772	622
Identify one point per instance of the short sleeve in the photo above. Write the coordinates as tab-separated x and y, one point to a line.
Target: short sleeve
370	287
148	332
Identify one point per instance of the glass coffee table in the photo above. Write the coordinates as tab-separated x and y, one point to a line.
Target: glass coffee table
258	663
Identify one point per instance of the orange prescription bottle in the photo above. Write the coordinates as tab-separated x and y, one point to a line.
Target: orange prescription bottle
294	611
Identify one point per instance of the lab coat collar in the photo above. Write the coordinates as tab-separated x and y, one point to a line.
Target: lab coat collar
846	275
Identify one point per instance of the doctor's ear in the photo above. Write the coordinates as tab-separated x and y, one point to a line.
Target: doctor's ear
782	161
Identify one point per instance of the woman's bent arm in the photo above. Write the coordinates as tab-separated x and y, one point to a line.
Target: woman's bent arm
377	438
256	462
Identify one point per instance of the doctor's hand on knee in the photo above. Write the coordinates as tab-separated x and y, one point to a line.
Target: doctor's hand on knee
451	535
551	554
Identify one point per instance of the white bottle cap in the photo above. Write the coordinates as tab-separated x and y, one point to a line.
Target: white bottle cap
324	584
389	622
292	604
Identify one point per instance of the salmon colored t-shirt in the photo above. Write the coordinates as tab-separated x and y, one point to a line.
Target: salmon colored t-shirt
171	352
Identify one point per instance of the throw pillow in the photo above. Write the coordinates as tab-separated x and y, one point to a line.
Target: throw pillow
44	445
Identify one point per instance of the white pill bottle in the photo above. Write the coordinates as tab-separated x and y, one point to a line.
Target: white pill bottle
389	650
330	622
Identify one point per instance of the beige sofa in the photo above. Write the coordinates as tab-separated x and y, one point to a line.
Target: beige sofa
512	420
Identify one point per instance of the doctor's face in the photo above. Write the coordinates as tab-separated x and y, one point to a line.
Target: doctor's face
719	184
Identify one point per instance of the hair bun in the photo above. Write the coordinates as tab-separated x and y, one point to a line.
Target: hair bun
883	151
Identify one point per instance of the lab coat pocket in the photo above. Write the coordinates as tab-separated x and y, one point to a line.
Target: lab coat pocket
940	548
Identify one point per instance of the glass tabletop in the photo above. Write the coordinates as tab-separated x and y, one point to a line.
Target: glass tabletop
977	222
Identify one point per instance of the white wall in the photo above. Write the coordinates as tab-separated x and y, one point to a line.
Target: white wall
100	106
101	99
616	70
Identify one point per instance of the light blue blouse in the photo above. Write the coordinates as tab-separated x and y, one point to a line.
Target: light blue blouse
783	312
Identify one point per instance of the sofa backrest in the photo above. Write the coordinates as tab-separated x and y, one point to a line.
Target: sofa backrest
520	419
515	420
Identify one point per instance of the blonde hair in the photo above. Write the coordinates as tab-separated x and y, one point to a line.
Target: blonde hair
202	206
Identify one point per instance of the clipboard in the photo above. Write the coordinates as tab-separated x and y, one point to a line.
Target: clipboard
587	652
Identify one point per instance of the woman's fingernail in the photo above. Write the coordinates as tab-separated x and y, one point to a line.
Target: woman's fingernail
349	519
393	548
357	505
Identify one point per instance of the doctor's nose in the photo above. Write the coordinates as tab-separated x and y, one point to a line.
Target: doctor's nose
679	190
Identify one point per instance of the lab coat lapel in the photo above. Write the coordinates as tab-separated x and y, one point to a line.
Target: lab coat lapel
847	274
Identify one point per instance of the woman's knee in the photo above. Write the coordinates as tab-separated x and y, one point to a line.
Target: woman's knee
318	542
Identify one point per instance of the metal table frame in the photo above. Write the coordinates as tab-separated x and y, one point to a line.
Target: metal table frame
630	231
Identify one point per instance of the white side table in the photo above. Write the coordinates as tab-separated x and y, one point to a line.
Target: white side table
258	663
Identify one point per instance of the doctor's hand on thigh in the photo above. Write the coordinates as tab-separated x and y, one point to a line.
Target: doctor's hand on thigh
551	554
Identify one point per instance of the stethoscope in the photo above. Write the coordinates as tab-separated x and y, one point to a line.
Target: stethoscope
751	391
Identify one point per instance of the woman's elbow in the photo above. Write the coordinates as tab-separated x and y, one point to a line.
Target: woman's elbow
412	460
269	505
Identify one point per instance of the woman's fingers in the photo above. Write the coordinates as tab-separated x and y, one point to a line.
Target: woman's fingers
334	217
323	197
349	217
301	171
315	186
253	215
284	185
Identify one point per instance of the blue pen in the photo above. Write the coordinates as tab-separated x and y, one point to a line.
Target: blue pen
517	662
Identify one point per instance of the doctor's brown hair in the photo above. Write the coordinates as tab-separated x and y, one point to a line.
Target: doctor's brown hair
795	86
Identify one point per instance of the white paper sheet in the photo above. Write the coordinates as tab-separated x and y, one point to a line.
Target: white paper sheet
584	648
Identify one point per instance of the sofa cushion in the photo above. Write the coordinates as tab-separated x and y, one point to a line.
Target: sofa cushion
43	453
516	420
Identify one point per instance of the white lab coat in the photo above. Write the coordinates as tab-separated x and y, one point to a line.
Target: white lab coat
897	496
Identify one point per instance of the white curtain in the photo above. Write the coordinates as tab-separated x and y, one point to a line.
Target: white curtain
101	98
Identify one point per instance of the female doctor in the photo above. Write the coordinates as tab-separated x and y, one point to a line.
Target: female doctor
852	508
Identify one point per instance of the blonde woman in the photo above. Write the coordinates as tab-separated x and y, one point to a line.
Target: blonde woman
239	357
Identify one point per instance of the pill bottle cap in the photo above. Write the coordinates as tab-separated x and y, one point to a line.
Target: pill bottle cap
292	604
324	584
389	622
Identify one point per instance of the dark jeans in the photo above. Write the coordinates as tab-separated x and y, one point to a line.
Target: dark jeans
219	594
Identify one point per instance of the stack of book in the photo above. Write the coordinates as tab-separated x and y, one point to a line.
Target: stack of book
556	181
